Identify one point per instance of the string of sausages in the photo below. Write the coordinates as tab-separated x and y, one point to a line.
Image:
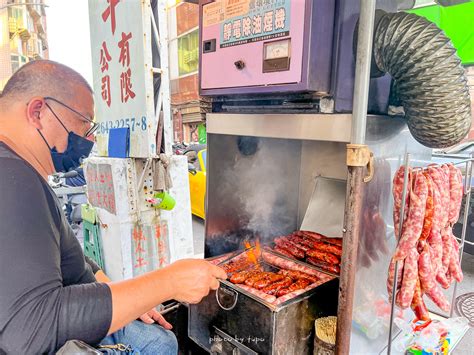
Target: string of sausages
427	251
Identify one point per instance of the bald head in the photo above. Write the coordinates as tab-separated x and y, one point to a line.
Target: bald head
43	78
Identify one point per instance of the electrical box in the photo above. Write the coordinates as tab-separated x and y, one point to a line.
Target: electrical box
261	46
281	49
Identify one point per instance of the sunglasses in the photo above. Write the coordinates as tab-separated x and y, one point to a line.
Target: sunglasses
93	124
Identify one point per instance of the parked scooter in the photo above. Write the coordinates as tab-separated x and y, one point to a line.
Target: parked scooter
71	194
179	148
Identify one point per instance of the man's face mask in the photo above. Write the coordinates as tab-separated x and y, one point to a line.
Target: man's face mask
77	148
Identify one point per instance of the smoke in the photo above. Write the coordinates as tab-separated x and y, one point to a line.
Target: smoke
267	186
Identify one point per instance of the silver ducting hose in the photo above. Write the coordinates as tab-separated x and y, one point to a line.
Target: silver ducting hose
429	81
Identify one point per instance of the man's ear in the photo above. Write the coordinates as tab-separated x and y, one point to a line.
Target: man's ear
34	110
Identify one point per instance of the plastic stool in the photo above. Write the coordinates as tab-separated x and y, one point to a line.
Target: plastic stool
92	242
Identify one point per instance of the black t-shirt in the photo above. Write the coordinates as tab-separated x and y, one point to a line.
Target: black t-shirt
48	292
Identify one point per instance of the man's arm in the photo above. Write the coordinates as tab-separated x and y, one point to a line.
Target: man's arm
102	277
184	281
37	312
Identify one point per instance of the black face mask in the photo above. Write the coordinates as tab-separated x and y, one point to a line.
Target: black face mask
77	149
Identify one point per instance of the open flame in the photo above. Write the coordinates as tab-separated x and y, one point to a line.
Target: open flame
253	252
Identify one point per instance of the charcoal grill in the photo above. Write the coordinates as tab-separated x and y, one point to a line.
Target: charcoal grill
234	318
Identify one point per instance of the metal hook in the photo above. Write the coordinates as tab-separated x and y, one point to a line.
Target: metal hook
235	294
370	169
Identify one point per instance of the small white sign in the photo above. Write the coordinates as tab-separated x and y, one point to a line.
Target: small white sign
122	72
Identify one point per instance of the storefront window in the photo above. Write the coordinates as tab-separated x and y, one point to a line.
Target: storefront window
16	20
188	53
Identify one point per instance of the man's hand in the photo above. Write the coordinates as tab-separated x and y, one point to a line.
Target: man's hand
192	279
153	316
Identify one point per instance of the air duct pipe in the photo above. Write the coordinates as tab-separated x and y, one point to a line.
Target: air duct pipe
429	80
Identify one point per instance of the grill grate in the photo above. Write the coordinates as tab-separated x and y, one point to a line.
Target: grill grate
464	306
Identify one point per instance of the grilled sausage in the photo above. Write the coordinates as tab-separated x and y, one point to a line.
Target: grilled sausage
306	243
333	249
275	287
324	266
240	277
237	265
290	265
269	279
250	281
297	275
296	244
323	256
283	251
294	251
319	237
297	285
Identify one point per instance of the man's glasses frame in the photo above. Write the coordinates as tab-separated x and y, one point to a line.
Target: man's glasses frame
89	132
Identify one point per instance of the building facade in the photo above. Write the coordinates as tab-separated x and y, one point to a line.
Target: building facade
23	35
189	109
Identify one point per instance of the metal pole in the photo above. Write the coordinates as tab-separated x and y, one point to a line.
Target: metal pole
165	77
362	71
467	204
355	179
154	27
395	274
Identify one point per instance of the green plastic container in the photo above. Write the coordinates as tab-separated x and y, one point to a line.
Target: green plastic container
88	213
164	201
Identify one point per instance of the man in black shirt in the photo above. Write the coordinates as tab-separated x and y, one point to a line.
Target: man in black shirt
48	292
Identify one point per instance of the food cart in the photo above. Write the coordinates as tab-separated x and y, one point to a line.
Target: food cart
291	148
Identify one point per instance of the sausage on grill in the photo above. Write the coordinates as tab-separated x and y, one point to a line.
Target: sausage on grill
333	249
269	279
283	251
297	275
323	256
277	286
320	238
296	244
250	281
240	277
297	253
324	266
298	285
